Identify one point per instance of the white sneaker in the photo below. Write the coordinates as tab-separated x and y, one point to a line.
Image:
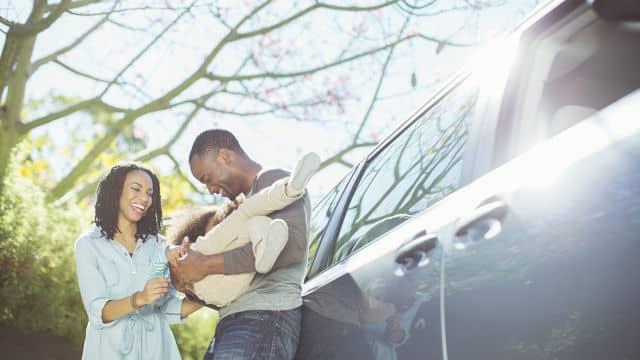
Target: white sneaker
270	246
305	168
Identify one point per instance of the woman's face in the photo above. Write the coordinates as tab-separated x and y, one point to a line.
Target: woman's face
136	197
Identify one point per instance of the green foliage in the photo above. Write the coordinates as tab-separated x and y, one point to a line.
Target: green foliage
193	336
38	287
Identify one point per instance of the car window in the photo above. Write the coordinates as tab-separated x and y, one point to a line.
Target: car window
569	72
421	166
320	217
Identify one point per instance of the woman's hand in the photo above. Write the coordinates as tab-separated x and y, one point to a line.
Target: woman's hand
154	289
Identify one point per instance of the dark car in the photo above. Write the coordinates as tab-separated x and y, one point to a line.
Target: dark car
502	220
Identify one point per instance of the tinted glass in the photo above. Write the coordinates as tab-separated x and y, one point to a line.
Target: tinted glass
420	167
320	218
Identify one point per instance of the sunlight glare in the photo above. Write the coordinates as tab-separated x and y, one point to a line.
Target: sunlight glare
491	63
541	166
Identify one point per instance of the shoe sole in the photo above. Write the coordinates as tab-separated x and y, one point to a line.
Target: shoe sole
275	240
311	163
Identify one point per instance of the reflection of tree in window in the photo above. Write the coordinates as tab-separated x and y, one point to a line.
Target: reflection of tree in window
320	218
419	168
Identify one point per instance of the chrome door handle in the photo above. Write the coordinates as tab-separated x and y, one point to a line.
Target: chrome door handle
494	210
415	253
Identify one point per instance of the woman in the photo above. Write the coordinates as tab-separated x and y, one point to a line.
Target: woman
129	312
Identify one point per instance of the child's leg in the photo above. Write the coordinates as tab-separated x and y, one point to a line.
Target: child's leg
268	238
267	200
283	192
305	168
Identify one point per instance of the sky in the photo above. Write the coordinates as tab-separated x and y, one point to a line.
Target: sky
273	142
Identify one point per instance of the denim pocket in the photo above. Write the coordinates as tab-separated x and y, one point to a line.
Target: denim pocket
289	323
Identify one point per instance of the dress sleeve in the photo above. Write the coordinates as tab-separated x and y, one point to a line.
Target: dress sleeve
170	306
159	263
93	286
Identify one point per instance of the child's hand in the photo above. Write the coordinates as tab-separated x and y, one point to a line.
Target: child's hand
175	252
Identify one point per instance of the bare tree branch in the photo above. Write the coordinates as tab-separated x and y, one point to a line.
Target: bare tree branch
83	105
273	75
239	113
140	8
16	75
163	102
383	74
6	22
28	29
251	14
179	172
338	157
76	42
145	49
127	26
80	73
309	9
73	4
249	103
145	156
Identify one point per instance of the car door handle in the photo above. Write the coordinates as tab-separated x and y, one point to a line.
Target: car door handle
494	210
415	253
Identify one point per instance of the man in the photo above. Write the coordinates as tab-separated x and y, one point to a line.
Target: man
265	321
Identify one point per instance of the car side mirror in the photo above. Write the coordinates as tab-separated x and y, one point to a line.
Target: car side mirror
617	10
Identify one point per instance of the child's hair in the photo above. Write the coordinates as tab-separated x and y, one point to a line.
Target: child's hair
192	221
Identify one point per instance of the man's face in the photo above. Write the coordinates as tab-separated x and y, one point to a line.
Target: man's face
215	170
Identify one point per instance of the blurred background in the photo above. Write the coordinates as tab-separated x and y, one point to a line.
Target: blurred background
87	83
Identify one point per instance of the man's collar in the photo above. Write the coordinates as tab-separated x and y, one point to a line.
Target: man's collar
252	188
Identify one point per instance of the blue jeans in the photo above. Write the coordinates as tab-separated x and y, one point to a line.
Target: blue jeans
258	334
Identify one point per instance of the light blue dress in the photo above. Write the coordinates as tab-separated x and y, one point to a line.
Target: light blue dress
106	272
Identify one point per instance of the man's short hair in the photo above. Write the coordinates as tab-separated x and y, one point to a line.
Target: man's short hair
214	140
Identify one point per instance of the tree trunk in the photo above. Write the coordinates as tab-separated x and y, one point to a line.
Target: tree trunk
9	138
16	77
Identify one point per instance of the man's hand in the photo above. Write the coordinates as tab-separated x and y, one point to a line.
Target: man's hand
177	282
173	253
190	267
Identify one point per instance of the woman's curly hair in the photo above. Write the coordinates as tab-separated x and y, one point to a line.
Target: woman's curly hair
108	202
192	221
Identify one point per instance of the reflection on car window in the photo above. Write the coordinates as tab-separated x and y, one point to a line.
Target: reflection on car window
420	167
320	218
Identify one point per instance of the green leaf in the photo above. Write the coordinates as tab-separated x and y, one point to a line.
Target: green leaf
414	80
440	47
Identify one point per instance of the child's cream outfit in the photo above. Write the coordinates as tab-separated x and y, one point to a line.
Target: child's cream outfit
247	223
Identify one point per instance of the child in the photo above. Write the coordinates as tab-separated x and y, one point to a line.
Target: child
227	229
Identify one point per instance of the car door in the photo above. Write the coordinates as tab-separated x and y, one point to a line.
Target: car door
540	260
374	287
543	263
